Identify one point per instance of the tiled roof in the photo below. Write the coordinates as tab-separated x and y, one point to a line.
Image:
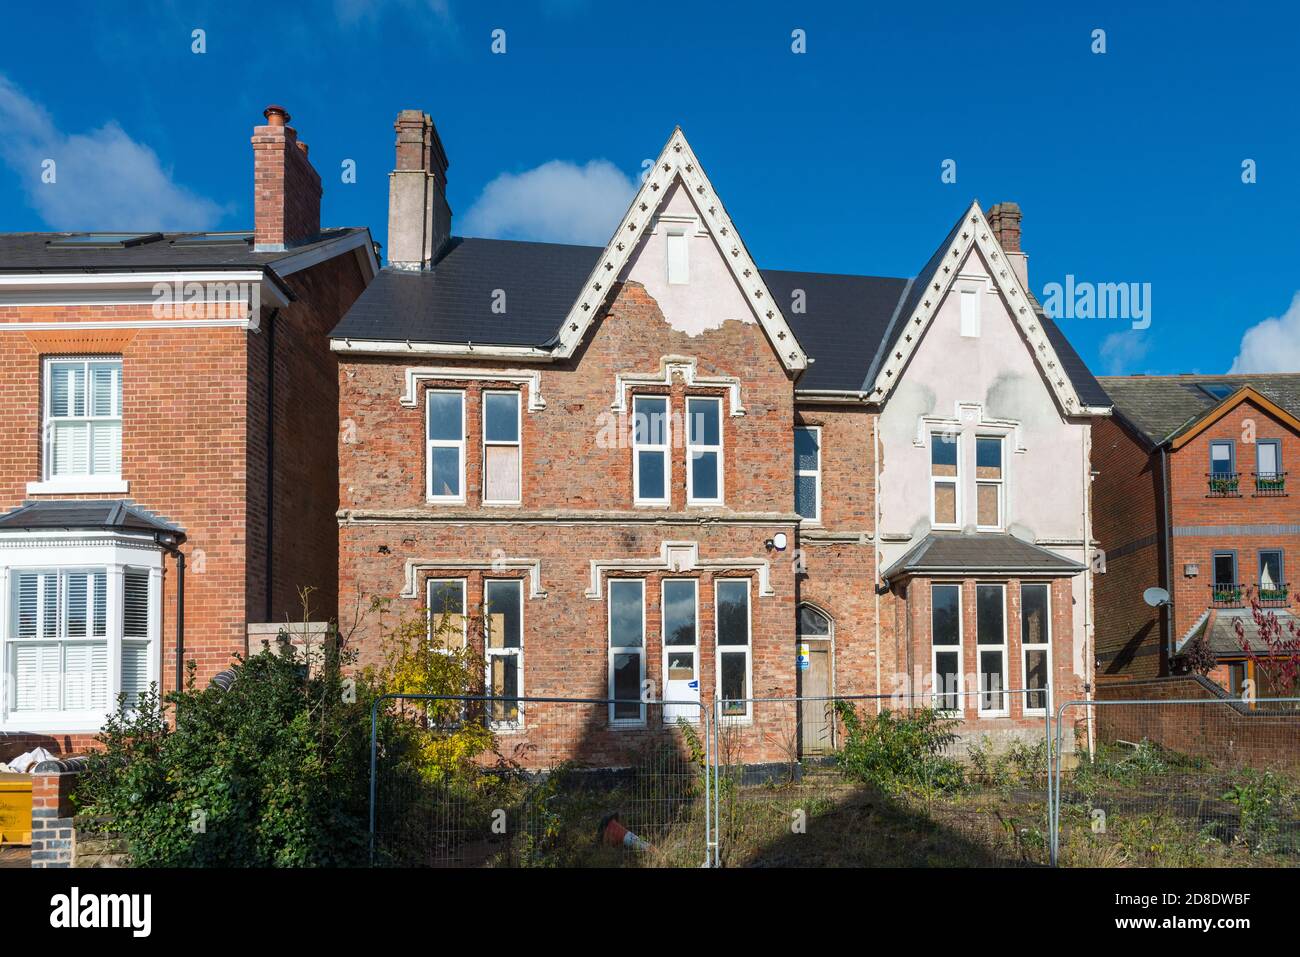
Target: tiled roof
943	552
1219	625
78	514
32	253
846	325
1160	406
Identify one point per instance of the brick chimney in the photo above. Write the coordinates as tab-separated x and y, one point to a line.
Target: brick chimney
1004	220
286	189
419	219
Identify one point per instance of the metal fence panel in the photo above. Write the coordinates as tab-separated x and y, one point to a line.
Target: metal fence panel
564	782
1177	783
879	780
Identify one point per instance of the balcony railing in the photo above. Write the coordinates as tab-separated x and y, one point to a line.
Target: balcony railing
1274	596
1270	483
1224	484
1225	595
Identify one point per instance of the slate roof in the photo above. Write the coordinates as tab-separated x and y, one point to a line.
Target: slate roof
31	253
1161	406
847	327
965	552
1219	626
78	514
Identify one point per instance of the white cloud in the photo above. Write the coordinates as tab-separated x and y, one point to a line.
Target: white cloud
1121	351
104	180
555	202
1272	345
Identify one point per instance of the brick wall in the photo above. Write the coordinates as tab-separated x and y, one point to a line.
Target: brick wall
1194	508
53	834
1127	498
577	502
1227	733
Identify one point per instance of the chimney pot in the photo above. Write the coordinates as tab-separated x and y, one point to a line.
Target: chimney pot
276	115
286	189
1004	220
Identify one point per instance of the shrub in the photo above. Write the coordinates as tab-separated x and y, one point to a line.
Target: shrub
899	752
1261	797
272	772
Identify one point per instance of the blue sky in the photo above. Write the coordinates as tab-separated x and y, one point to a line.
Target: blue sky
1127	164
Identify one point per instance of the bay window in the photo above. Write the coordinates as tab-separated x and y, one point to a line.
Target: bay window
945	641
1036	644
75	639
991	642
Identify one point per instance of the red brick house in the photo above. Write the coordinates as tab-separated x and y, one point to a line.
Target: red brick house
659	466
168	413
1192	496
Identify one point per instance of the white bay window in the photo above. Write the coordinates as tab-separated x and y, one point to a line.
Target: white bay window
76	636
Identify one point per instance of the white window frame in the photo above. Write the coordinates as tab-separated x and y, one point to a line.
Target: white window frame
517	653
431	444
80	482
518	443
691	447
980	649
662	448
748	650
960	648
1000	482
1026	647
113	554
612	584
682	235
430	611
969	306
936	480
663	632
814	474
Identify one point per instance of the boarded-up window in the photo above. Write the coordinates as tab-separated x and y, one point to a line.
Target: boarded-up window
501	448
944	449
988	481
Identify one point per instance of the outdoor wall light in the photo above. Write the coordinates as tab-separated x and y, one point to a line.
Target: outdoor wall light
777	541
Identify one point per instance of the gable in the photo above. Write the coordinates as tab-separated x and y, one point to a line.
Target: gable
678	171
932	289
1227	406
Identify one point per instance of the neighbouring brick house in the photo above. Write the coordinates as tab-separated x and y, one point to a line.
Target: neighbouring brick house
1192	496
165	395
630	458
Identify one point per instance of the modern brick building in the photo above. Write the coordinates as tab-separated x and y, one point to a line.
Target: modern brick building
1192	496
656	466
167	399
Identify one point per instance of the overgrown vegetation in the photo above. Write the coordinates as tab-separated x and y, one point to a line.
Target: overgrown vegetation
899	752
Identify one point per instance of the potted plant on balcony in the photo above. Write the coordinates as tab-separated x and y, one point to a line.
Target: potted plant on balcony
1223	484
1270	483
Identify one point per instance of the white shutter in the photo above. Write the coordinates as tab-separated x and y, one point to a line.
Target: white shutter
135	604
36	677
71	448
106	448
77	604
85	675
49	605
104	389
27	601
135	671
679	263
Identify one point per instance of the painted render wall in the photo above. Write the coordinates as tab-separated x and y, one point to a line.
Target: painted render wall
1047	456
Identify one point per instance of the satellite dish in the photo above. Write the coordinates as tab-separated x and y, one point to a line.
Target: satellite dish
1156	597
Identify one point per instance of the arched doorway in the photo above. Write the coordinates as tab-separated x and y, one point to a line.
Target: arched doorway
816	637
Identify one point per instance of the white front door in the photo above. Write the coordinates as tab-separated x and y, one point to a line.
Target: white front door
681	649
